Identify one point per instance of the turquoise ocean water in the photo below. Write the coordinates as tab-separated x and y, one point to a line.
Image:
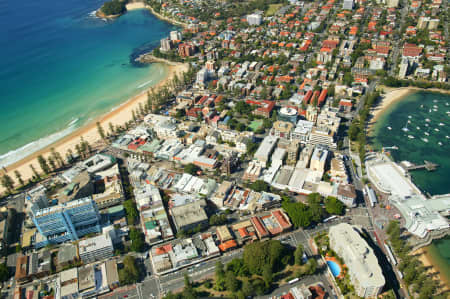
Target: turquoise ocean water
61	67
421	113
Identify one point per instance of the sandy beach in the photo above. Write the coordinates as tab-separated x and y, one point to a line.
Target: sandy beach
424	257
136	5
89	132
390	98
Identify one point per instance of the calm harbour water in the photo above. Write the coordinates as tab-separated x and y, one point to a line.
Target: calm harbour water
426	115
61	67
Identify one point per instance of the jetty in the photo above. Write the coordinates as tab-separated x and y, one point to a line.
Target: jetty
429	166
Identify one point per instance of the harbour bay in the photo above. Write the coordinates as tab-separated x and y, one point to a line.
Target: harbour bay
424	116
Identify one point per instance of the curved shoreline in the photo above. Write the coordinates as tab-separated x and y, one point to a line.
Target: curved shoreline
393	96
117	117
165	18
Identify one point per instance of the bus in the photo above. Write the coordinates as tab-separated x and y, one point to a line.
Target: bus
293	280
329	219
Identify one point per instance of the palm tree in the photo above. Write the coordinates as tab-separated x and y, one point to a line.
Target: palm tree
43	163
18	177
52	163
35	173
78	149
7	183
100	130
111	128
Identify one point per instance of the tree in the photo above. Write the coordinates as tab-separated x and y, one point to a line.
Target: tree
218	219
220	277
19	177
57	157
114	7
231	282
243	108
299	213
4	273
7	183
259	186
112	130
129	273
100	131
137	240
258	254
267	275
43	163
35	173
191	168
247	288
238	267
52	163
131	211
334	206
298	254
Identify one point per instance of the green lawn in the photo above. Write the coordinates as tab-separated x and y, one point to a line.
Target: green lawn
256	124
273	8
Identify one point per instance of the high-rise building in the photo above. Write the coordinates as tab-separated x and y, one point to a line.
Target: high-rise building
175	35
348	4
254	19
165	45
186	50
68	221
364	270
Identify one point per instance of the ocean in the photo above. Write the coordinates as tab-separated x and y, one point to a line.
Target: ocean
426	116
61	67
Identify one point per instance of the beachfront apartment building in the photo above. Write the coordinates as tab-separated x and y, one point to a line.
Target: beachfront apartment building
363	268
68	221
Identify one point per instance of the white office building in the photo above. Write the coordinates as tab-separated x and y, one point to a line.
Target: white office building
254	19
95	249
348	4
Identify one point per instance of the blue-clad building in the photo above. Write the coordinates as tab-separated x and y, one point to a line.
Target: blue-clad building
68	221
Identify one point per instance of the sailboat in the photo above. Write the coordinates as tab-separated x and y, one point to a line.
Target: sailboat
440	143
389	128
410	136
405	128
425	139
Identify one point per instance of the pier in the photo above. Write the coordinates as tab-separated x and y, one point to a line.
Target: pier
429	166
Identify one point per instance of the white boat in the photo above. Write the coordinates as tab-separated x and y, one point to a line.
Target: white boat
435	110
389	128
427	120
441	124
421	106
409	116
436	129
447	137
440	143
418	128
411	137
429	110
426	133
405	128
426	125
425	140
435	107
435	101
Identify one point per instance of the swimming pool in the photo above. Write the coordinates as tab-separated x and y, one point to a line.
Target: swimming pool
334	267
